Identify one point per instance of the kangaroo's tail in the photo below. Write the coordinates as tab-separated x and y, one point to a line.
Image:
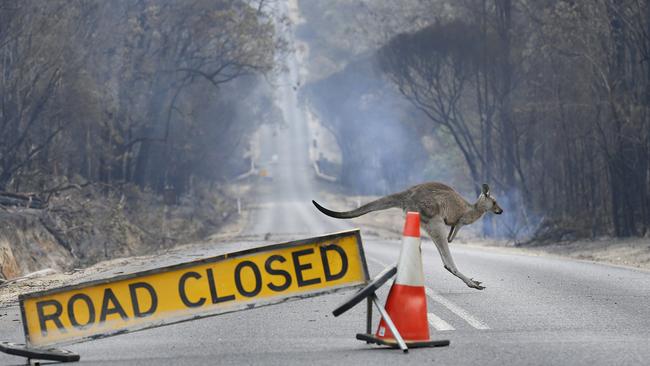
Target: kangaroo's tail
383	203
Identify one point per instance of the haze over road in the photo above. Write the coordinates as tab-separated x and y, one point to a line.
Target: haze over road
534	311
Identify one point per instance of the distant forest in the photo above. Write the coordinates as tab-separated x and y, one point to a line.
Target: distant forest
547	101
149	93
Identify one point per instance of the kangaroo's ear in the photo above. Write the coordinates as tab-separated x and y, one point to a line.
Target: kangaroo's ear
486	190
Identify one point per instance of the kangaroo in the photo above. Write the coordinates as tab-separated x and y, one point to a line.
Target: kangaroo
439	206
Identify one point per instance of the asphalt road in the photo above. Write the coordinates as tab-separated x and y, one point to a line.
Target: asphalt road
534	311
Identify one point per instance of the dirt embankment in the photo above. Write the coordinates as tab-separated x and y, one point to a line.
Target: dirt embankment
80	227
26	245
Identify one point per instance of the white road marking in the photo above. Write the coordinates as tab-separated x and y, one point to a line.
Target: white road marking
380	264
438	323
462	313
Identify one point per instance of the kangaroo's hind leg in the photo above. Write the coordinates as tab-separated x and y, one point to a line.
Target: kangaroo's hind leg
437	230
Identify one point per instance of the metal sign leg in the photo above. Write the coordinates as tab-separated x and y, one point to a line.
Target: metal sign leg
389	323
369	316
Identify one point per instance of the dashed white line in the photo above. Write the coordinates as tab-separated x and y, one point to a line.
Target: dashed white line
462	313
379	263
434	320
438	323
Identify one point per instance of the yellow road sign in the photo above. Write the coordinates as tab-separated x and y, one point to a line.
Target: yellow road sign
206	287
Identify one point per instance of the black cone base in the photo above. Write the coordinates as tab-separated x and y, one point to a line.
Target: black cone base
410	344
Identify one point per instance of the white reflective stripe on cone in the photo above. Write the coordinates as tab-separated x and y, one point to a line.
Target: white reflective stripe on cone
409	266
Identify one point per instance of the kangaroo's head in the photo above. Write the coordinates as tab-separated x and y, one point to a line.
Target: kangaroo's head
487	202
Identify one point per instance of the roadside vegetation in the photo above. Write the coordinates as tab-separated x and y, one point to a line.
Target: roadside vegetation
117	116
122	122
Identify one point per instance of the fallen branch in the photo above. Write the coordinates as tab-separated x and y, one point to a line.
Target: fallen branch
62	188
21	200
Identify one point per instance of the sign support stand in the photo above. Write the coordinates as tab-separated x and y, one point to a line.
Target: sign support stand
368	293
50	354
369	316
389	322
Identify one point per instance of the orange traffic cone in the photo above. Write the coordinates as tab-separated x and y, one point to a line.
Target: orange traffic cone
407	303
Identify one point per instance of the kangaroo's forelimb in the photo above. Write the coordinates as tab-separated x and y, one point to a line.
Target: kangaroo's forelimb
452	232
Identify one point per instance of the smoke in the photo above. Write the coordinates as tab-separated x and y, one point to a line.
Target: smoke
517	223
386	143
381	151
388	146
